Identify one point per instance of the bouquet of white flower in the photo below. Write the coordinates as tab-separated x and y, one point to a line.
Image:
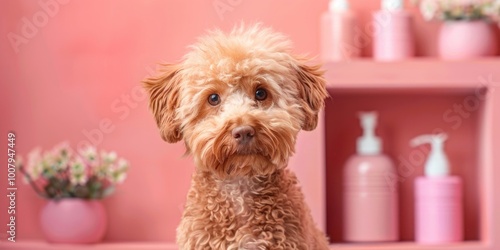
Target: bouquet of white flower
64	173
454	10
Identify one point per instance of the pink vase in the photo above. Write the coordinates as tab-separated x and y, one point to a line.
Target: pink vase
73	221
467	39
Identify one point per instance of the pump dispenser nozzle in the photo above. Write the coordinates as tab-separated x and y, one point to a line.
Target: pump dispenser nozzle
392	5
338	5
437	164
369	143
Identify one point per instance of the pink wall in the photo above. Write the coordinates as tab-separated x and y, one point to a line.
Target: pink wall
81	67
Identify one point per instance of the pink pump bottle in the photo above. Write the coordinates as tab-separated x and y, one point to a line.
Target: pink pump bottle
438	204
370	199
393	37
337	32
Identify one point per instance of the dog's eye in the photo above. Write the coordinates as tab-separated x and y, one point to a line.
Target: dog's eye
260	94
214	99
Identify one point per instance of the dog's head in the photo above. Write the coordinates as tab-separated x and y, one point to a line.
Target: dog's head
238	100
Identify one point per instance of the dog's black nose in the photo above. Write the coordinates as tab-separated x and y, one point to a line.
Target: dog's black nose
243	134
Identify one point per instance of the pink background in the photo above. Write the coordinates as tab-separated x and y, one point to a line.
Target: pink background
83	68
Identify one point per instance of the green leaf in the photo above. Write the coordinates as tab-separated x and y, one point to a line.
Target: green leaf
108	191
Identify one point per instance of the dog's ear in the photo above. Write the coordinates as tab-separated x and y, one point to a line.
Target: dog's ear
312	91
163	91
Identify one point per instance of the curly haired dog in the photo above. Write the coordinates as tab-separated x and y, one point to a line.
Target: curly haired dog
238	101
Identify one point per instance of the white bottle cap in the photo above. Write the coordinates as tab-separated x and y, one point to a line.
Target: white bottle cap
338	5
369	143
391	5
437	164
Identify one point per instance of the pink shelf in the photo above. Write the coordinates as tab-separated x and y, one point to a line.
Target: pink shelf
418	73
414	95
410	246
42	245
